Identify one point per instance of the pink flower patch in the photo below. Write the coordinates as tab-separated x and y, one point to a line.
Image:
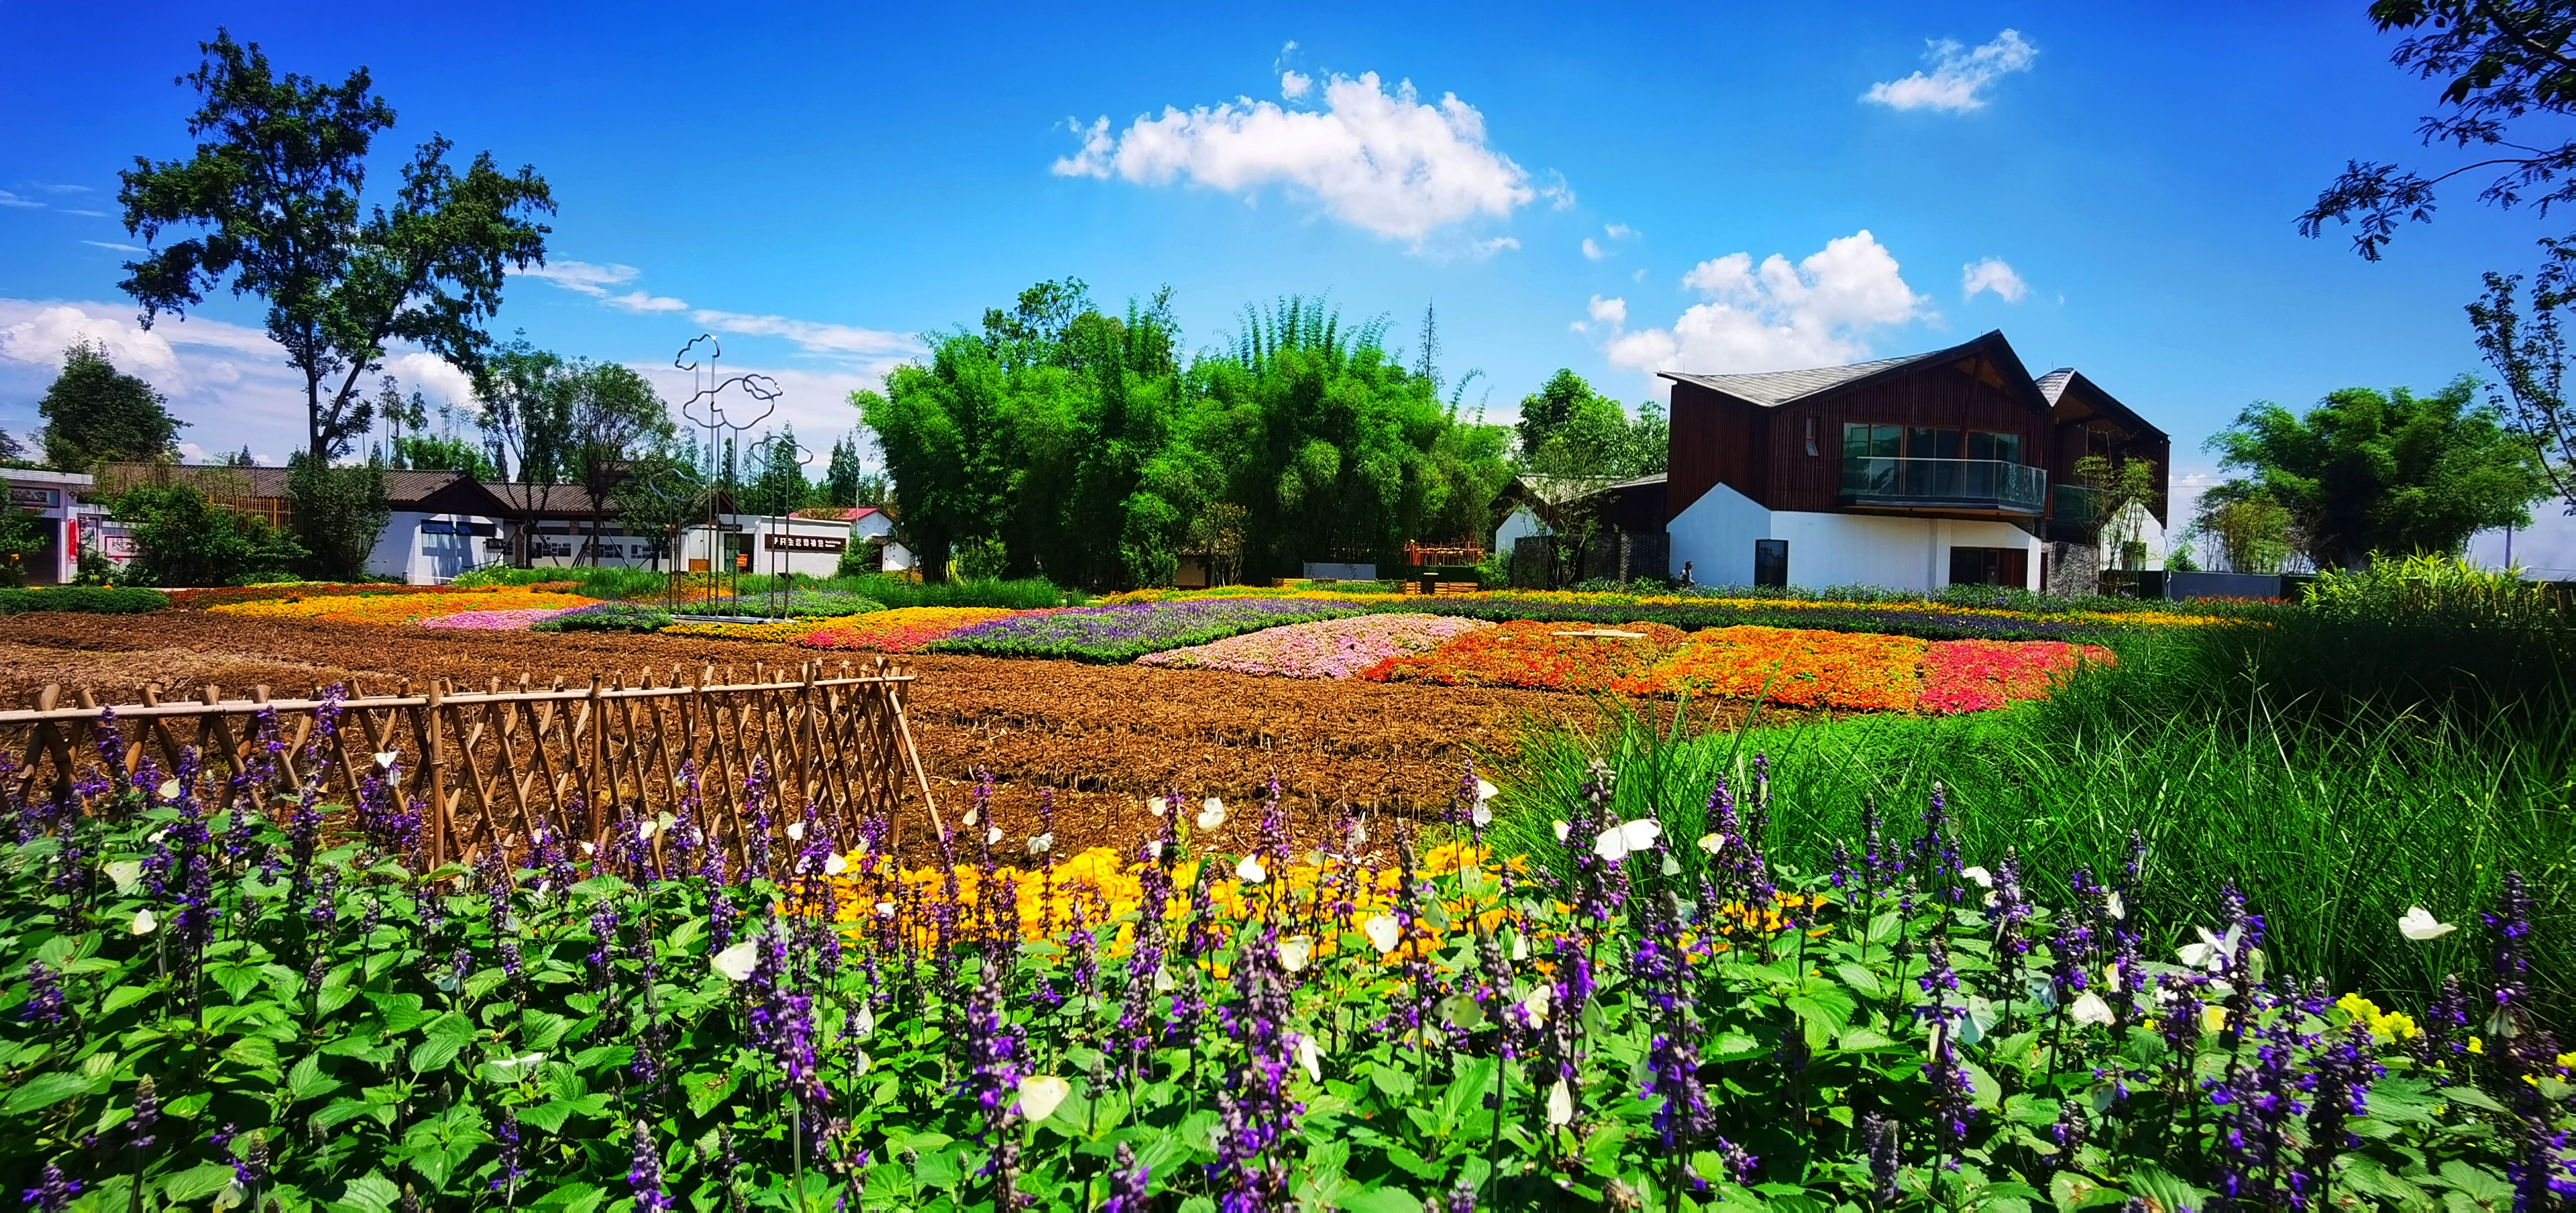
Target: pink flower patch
1329	648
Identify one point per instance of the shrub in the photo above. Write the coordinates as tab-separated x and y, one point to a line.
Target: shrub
82	599
183	539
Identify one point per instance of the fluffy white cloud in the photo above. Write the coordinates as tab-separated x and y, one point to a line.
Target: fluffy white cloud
1619	231
228	381
1592	250
1293	84
1773	316
1991	274
815	402
1387	162
1957	74
812	336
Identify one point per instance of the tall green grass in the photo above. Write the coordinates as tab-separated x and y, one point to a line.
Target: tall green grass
2335	766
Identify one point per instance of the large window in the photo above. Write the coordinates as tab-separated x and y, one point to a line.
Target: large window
1865	441
2002	447
1924	443
1989	566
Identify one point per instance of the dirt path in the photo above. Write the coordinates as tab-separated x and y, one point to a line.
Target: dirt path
1102	737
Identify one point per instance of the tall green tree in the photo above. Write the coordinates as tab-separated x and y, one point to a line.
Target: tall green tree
664	492
777	485
339	512
2506	71
842	476
95	412
612	416
275	189
1574	431
2366	473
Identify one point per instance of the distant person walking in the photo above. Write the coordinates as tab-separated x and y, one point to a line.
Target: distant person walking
1684	581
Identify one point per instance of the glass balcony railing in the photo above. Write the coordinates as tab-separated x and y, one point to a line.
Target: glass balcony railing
1973	484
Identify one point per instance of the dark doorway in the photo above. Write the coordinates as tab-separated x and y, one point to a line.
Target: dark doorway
1989	566
1771	562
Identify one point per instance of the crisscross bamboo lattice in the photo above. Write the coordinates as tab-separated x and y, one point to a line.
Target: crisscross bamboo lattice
487	766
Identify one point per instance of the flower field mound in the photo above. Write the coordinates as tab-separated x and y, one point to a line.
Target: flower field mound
1537	656
496	621
402	607
1328	648
778	632
1105	737
1980	675
1795	667
1123	633
900	630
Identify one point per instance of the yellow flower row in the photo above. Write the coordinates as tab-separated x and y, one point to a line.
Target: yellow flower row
782	630
402	608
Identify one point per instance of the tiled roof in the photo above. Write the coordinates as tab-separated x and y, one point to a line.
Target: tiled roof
1770	389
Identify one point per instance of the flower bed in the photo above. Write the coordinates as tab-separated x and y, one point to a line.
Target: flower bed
901	630
1122	633
1538	656
215	596
801	604
402	607
1794	667
781	631
1329	648
1977	675
495	621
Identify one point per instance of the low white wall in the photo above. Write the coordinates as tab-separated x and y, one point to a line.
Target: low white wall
1520	525
408	548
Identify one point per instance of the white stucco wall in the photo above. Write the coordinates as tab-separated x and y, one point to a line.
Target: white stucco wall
406	548
1716	535
1717	532
1520	525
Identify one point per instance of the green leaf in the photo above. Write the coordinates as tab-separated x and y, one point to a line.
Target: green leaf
705	1090
1396	1083
198	1182
575	1197
307	1081
1859	979
46	1090
124	996
434	1053
1986	1091
257	1053
236	979
344	1109
370	1193
1380	1200
402	1012
1819	1019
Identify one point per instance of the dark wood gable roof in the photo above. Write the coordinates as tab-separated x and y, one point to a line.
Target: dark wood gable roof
2074	397
1773	389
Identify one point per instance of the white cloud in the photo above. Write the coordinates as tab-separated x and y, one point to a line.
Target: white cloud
1389	163
1772	316
230	382
56	187
122	248
815	402
9	199
1293	84
638	301
1991	274
91	214
1619	231
812	336
1957	74
582	276
1592	250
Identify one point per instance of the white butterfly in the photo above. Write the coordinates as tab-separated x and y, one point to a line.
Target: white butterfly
1211	814
834	865
1311	1056
1155	806
1383	931
1483	815
144	923
1562	830
1540	996
795	829
1560	1105
2419	925
737	962
1040	1093
126	873
2089	1008
1250	871
1295	951
1040	844
992	834
1626	838
1486	791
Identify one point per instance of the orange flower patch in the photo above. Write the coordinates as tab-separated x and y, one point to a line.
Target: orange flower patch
1794	667
1977	675
1537	656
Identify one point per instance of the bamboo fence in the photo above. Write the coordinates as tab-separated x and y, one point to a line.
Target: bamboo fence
489	766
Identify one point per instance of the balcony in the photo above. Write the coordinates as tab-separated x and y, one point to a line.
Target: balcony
1974	486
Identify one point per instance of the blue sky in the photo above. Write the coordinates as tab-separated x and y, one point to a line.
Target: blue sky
819	187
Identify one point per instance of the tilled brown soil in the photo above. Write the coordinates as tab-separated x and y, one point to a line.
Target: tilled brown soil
1102	737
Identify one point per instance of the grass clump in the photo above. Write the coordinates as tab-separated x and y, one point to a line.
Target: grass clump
82	599
607	617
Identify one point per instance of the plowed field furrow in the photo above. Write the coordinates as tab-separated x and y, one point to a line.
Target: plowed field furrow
1103	737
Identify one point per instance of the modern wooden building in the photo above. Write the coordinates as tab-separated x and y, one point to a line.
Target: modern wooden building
1911	473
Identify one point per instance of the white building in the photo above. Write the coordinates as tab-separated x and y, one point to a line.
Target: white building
442	523
66	523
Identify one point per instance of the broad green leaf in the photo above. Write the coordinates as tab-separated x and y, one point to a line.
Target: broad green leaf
1859	979
705	1090
434	1053
46	1090
371	1192
575	1197
124	996
1380	1200
307	1081
344	1109
1386	1077
2072	1191
198	1182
